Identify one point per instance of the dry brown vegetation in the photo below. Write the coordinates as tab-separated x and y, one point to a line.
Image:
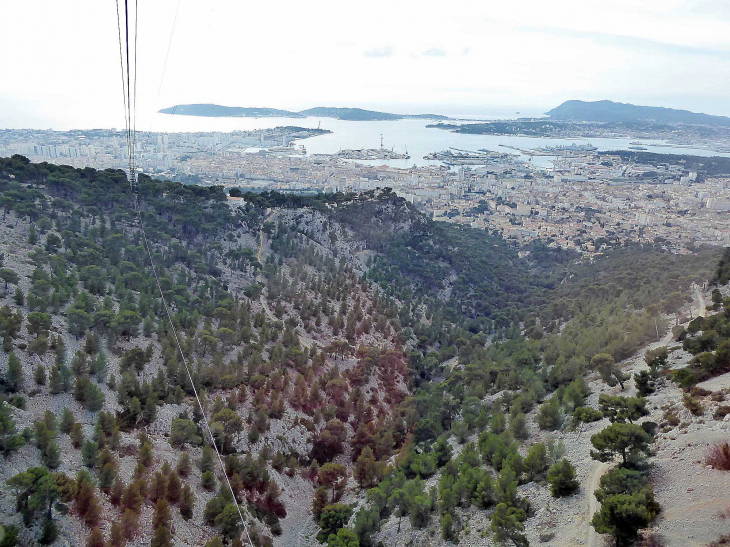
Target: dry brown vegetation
719	456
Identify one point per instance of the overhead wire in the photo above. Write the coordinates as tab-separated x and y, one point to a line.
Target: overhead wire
167	55
121	66
129	98
130	103
134	123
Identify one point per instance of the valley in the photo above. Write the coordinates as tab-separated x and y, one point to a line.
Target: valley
370	377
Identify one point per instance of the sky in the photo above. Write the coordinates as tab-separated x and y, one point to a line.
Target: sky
60	61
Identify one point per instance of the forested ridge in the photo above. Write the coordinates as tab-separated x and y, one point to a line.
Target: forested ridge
405	387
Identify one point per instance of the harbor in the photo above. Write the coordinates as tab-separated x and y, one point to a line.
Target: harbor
456	156
365	154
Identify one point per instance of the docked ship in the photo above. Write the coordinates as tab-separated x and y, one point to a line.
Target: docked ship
290	149
570	148
455	156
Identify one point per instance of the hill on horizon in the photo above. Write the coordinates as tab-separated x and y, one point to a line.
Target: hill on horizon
612	112
349	114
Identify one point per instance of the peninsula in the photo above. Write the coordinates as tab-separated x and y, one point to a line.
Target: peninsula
349	114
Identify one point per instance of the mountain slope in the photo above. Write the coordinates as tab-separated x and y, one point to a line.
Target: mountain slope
366	371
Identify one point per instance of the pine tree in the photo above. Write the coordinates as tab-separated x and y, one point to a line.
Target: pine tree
183	465
94	398
96	538
56	381
158	487
146	454
66	377
93	514
117	491
99	368
129	523
116	535
319	502
626	440
162	537
447	527
161	516
107	474
77	435
132	499
206	461
208	480
561	478
518	426
19	296
215	542
644	383
90	454
174	487
548	418
367	471
187	502
60	351
52	456
40	375
536	462
14	375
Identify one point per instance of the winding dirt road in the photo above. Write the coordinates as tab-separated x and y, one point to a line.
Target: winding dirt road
260	253
593	481
701	300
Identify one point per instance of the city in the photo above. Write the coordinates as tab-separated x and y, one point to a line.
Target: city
583	199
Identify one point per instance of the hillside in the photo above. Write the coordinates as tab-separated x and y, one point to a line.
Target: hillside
612	112
369	375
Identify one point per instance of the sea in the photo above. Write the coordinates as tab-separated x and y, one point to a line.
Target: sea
405	135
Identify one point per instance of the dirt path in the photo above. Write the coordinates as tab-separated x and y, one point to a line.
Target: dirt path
585	530
260	252
305	532
594	480
697	308
701	300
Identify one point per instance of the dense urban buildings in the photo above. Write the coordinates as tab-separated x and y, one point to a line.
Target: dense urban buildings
583	200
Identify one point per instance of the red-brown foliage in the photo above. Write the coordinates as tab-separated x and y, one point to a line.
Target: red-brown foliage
719	456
